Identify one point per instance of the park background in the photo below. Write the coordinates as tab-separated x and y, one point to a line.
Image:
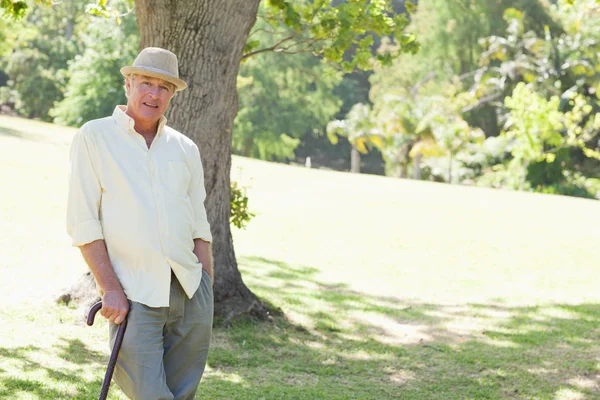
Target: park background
459	263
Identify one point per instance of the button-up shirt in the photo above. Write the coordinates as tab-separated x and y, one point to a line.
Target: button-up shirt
147	204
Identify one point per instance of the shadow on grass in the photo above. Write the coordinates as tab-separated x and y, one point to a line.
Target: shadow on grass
336	343
50	382
18	134
31	136
75	351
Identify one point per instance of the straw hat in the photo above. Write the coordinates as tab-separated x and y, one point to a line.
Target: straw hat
157	63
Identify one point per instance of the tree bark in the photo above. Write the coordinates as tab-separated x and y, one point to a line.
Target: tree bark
417	167
354	160
450	169
208	38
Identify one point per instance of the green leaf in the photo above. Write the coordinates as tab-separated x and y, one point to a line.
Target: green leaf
410	7
251	45
360	145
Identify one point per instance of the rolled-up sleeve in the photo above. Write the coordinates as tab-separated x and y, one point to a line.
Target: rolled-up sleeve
83	221
197	194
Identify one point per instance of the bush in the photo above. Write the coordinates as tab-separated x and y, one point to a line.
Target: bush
565	189
542	173
240	216
96	85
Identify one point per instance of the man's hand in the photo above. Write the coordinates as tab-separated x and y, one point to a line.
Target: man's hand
114	306
203	251
114	302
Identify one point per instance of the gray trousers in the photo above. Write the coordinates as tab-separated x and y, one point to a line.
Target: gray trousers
164	350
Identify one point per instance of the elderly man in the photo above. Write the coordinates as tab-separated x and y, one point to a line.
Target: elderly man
136	211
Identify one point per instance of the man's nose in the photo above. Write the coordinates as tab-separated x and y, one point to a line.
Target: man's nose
154	91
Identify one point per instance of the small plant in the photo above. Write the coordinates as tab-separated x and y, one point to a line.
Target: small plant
240	216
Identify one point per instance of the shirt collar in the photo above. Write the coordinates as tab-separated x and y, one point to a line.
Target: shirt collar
127	123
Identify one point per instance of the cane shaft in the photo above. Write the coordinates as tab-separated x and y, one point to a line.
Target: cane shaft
112	362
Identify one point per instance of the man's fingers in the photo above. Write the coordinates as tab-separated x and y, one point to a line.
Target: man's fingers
114	306
114	315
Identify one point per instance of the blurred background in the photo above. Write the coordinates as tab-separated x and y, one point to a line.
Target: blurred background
502	93
366	204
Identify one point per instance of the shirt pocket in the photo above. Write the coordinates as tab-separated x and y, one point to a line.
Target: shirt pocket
176	178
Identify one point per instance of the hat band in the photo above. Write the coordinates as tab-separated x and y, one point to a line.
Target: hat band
157	70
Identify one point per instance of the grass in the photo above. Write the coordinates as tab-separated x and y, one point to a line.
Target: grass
389	288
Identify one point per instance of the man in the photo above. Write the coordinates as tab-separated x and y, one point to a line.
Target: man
136	211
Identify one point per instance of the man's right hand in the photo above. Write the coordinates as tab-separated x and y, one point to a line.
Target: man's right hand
114	306
114	302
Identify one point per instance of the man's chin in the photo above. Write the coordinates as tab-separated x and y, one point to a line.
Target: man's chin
149	113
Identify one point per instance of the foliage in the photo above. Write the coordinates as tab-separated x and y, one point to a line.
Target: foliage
418	126
449	32
340	33
565	189
358	128
37	65
240	216
15	9
281	100
533	125
96	85
537	131
555	65
9	33
407	122
457	139
552	103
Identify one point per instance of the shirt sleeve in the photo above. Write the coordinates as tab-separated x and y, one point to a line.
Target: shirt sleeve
197	194
83	205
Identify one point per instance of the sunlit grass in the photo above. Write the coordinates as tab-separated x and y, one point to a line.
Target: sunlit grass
387	288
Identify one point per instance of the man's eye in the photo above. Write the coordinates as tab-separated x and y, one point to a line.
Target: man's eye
164	88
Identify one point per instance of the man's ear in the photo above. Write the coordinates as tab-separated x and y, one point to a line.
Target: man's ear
127	86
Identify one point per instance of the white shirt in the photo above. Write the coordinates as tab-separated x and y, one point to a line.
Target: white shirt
147	204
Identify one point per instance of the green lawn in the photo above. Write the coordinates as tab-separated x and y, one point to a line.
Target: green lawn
389	288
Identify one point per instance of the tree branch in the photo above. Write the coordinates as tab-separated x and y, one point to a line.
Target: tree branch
265	30
307	42
286	50
482	101
427	78
272	48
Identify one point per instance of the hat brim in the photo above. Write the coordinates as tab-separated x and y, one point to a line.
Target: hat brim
155	73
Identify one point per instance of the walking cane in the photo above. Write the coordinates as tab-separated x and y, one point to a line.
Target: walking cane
115	351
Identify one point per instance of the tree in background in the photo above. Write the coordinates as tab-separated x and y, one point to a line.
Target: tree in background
359	128
36	63
456	139
449	32
406	121
551	103
282	98
95	84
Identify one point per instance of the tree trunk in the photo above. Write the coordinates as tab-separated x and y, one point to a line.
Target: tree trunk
208	38
354	160
524	177
417	166
248	142
404	156
450	169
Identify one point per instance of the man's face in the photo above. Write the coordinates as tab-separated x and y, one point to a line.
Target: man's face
148	98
